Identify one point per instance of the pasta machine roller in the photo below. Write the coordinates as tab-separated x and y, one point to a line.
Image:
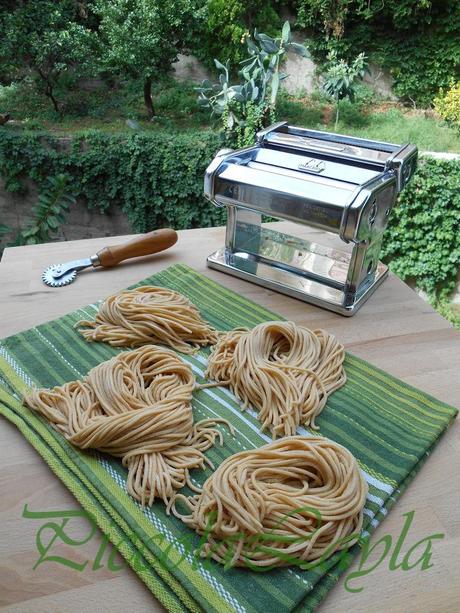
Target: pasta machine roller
332	182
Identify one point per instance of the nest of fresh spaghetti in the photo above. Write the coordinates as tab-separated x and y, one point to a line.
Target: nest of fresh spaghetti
149	315
136	406
294	501
284	371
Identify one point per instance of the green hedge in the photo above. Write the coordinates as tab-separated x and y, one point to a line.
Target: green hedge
422	241
157	178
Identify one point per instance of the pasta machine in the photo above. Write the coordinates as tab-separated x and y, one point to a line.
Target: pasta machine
331	182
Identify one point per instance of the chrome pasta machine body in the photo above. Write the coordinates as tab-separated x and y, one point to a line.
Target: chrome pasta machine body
336	183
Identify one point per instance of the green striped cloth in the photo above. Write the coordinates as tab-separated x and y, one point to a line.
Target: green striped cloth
390	427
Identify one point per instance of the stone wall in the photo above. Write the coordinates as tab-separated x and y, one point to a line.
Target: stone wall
15	211
301	74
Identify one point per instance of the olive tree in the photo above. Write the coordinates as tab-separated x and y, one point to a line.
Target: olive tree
142	38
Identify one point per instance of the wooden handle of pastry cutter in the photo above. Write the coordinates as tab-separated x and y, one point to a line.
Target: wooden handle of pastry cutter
145	244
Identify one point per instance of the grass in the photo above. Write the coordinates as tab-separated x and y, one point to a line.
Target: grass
110	107
107	108
395	124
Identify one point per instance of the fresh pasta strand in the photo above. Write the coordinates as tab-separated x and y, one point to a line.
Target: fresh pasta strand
146	315
284	371
295	500
136	406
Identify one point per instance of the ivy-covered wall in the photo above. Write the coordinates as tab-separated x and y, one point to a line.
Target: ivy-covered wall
157	180
17	214
422	242
416	40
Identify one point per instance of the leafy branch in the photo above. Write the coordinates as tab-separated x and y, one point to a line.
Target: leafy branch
50	211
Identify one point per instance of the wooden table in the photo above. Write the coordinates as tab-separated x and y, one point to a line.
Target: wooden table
395	330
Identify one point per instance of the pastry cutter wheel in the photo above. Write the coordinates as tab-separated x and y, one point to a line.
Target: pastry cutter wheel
58	275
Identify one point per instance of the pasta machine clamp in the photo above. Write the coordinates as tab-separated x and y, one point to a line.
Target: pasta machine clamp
340	184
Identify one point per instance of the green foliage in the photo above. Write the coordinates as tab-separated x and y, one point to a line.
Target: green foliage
416	40
341	78
142	38
175	102
47	40
226	25
422	241
156	177
49	213
26	101
253	118
299	112
250	105
179	100
327	15
447	105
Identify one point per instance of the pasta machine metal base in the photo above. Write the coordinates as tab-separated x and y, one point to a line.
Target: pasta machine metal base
340	184
297	267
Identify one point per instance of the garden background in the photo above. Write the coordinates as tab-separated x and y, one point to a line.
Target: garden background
112	109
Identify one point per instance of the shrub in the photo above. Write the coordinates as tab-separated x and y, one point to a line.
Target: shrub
341	78
422	241
352	114
448	105
251	105
226	24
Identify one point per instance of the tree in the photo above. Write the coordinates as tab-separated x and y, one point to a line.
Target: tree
46	39
142	38
340	78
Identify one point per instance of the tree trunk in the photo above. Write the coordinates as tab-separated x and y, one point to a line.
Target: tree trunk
49	90
336	114
53	100
148	97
